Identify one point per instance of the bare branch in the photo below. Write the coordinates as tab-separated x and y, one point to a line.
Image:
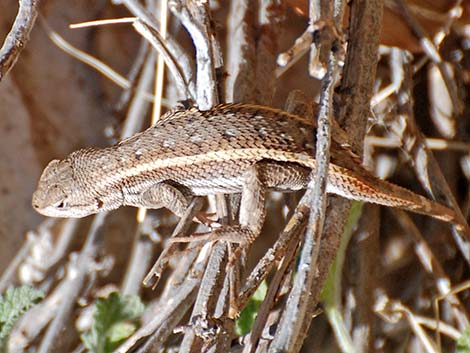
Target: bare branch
152	35
241	54
18	36
74	284
194	15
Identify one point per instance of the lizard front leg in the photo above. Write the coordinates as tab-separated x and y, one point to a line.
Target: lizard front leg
157	196
163	195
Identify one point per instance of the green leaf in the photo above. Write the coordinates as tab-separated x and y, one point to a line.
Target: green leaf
248	315
463	343
14	303
120	331
115	319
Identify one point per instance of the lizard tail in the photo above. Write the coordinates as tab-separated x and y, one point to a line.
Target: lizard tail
374	190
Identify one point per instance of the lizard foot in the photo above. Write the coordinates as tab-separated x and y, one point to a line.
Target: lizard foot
205	218
232	234
241	236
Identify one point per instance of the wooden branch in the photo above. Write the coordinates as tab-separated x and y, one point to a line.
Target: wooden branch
18	36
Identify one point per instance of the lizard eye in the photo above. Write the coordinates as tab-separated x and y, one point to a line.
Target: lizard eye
60	204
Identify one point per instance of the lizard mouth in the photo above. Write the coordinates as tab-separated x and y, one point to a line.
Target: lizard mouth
60	209
52	211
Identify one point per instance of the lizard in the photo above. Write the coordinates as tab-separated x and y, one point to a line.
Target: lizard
232	148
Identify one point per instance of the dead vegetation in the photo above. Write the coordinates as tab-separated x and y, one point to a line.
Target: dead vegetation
399	281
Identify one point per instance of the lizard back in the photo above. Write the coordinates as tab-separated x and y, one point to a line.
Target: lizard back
204	151
224	128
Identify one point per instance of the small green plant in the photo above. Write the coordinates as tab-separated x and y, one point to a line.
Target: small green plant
248	315
463	343
14	303
114	320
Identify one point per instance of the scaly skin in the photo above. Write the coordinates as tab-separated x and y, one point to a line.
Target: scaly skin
217	151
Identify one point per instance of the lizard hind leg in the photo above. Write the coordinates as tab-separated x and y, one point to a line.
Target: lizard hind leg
256	180
251	216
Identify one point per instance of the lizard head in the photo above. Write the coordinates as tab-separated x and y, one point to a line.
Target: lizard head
58	193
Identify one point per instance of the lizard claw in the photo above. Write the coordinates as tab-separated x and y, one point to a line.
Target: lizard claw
204	218
232	234
205	236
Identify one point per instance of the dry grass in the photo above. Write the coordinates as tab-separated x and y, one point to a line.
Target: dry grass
399	282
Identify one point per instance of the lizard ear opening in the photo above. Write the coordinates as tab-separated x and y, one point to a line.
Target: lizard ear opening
99	204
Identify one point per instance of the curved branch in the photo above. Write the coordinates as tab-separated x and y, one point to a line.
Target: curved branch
18	35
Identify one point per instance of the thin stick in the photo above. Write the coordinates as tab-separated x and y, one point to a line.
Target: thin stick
182	227
296	306
426	167
184	59
72	291
160	71
433	267
436	144
241	53
432	52
102	22
195	18
91	61
18	36
159	44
